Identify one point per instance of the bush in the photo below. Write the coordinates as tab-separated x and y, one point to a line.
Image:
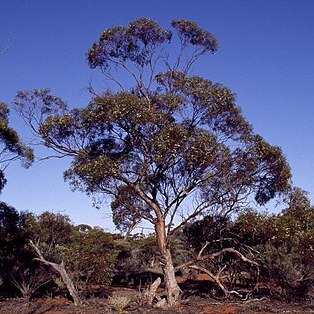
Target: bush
90	257
119	303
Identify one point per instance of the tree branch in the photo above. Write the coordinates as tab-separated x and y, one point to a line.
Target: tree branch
200	258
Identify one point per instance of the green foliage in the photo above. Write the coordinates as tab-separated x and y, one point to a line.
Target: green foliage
254	227
282	245
128	210
54	228
12	238
190	32
119	303
136	255
214	230
11	146
181	250
134	43
88	253
91	257
28	105
15	256
10	141
285	243
285	266
51	231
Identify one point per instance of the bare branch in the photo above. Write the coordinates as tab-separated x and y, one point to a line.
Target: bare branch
216	278
60	269
200	258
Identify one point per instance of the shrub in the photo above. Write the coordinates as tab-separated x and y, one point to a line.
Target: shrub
119	303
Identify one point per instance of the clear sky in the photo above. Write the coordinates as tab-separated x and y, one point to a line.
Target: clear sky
266	57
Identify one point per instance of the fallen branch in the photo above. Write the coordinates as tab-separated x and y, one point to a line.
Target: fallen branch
150	294
60	269
216	278
201	258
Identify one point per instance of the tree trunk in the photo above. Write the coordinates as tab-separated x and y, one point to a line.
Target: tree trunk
172	289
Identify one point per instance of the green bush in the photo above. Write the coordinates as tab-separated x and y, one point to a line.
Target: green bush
90	257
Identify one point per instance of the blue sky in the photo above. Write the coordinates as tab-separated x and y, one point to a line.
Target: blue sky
266	57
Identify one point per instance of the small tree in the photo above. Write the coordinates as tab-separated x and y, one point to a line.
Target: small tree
167	146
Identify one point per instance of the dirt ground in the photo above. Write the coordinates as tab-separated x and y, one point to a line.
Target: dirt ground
190	305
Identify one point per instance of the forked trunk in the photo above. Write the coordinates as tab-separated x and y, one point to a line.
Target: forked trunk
172	289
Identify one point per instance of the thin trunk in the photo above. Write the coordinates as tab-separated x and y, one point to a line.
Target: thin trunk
172	289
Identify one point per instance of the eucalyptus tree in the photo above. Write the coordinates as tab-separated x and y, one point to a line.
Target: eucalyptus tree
166	145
